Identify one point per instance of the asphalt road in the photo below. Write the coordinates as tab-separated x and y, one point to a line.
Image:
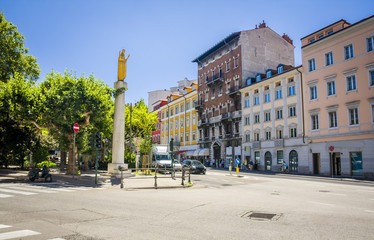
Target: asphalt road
218	206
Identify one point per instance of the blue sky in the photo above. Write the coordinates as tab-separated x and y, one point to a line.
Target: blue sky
162	37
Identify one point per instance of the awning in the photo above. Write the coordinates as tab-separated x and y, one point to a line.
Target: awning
204	152
196	153
190	153
179	152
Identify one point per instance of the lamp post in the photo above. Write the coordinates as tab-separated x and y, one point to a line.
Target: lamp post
172	157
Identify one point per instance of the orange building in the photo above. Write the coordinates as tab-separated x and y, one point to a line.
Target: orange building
338	63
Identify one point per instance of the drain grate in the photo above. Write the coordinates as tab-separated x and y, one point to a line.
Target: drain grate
261	216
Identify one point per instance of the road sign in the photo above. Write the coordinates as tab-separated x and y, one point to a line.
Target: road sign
331	148
237	161
76	127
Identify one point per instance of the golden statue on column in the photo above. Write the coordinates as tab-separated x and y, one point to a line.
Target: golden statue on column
122	63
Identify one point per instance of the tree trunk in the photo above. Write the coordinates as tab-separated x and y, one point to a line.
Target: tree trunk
71	160
63	160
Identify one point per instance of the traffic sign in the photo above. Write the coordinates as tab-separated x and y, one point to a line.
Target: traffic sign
76	127
331	148
237	161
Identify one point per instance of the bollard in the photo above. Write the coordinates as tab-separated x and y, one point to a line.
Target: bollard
121	178
182	176
156	178
189	175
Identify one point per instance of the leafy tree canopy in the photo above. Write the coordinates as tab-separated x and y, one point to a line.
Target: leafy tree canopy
14	56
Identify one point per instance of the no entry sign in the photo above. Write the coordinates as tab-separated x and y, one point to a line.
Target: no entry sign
75	127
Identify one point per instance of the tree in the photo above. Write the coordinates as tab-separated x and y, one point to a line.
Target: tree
14	57
67	99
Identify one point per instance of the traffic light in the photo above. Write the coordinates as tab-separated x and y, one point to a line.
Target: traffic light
98	140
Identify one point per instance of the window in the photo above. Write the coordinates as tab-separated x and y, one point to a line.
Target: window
329	59
353	116
293	133
279	134
187	121
187	137
258	78
182	108
194	119
312	40
227	87
372	113
280	69
331	88
351	83
167	113
176	110
315	123
181	137
257	100
257	137
267	97
370	42
193	136
171	125
267	134
176	125
332	120
313	92
246	103
163	116
268	74
279	94
236	62
171	112
330	32
220	72
267	117
246	121
187	105
292	111
247	138
228	67
348	52
291	90
206	78
312	65
194	103
371	77
257	118
181	122
220	90
213	93
320	36
257	157
280	157
279	114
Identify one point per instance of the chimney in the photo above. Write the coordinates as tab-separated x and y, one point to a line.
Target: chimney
287	38
262	25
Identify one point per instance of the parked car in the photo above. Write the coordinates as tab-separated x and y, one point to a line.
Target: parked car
177	165
196	166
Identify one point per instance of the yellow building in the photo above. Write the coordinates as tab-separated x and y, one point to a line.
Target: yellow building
179	121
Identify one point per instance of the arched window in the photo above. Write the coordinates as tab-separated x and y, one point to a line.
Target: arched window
294	161
268	161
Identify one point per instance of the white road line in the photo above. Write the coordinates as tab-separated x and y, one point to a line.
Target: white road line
5	195
4	226
56	239
62	190
17	234
370	211
337	194
33	189
17	192
326	204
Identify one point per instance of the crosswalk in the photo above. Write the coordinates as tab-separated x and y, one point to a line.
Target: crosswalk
8	232
18	189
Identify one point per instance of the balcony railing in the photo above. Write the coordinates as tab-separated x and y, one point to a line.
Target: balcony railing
204	121
215	79
226	116
278	143
234	91
199	104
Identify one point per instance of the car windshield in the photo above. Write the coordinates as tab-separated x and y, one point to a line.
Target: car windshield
176	162
162	157
196	163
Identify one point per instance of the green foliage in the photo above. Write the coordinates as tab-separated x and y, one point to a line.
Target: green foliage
14	56
130	159
49	164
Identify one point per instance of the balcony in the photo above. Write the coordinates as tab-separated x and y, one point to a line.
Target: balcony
213	138
204	121
199	104
256	145
234	92
226	116
219	78
278	143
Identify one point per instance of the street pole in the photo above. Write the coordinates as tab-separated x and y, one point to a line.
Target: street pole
97	163
74	156
172	157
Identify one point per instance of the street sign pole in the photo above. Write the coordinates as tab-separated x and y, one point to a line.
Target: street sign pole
97	163
172	157
74	155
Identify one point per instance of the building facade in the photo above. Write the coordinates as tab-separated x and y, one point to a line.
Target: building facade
272	120
221	72
156	134
338	88
179	122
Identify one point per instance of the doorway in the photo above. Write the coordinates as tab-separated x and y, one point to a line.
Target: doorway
335	163
316	164
294	161
267	161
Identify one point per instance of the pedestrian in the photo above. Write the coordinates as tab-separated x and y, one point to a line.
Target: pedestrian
251	165
222	163
256	165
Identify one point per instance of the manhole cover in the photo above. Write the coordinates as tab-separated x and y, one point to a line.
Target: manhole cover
261	216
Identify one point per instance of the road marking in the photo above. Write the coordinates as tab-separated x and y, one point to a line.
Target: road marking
326	204
5	195
4	226
17	234
56	239
33	189
370	211
17	192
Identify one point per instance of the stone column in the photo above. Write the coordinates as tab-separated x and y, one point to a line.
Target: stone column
118	140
